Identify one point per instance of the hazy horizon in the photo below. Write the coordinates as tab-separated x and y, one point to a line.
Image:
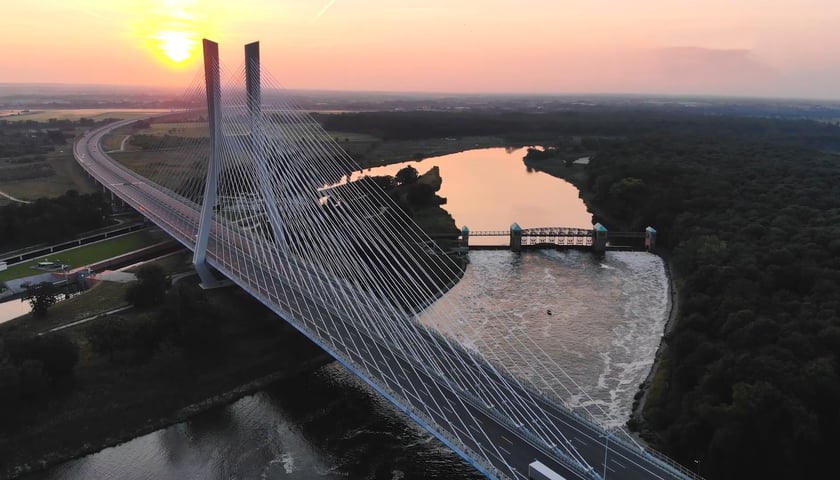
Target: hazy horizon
755	49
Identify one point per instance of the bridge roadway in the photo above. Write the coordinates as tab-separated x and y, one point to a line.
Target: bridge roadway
396	376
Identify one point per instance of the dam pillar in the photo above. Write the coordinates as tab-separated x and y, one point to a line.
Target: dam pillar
465	238
599	238
515	238
650	239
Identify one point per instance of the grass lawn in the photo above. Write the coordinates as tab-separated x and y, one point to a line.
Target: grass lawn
178	129
349	137
373	154
85	255
113	142
101	297
177	163
68	176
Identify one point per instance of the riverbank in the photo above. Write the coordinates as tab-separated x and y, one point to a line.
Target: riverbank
109	402
130	431
655	377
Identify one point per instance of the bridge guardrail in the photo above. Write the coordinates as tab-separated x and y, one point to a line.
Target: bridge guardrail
650	452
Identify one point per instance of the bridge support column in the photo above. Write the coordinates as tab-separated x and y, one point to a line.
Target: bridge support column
515	238
599	239
650	239
213	88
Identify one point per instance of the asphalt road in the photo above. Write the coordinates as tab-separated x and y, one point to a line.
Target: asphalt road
470	402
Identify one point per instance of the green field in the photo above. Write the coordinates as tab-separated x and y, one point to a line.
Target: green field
68	175
114	141
179	129
373	154
177	163
81	256
76	114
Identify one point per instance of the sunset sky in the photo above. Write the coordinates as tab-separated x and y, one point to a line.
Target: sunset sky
785	48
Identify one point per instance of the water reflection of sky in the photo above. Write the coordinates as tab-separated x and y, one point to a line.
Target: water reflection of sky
13	309
489	189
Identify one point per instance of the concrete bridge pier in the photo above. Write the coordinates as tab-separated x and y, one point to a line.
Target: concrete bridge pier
650	239
465	238
599	239
515	238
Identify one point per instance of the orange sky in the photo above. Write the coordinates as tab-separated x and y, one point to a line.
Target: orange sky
740	47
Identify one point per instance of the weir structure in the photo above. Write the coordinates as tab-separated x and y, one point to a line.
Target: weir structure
598	239
261	202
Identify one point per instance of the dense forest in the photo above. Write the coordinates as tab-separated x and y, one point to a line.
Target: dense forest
752	383
525	127
748	211
51	219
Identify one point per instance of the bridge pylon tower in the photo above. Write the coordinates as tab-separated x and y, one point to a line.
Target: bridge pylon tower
212	79
263	156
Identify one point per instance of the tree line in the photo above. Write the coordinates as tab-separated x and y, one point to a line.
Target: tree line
521	128
51	219
34	368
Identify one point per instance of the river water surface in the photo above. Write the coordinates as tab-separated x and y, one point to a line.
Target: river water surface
598	322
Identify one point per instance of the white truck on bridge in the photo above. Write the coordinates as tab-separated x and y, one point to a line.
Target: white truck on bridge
538	471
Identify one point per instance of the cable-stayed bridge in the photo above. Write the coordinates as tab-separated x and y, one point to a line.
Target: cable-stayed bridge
259	193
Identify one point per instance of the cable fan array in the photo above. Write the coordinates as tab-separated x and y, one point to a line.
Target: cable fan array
345	265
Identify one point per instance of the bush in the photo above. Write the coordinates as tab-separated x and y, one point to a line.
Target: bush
150	288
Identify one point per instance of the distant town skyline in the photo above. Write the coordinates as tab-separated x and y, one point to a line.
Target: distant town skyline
766	48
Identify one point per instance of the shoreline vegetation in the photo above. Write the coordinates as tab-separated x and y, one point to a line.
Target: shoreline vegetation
142	370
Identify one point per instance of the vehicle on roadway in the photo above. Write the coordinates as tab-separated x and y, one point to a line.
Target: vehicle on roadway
538	471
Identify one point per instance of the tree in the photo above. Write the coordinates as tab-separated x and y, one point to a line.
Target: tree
407	176
108	334
421	195
385	182
150	288
58	354
41	297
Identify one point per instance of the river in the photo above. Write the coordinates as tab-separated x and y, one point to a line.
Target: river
598	320
12	309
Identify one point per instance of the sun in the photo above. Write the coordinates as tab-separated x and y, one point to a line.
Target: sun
177	46
171	30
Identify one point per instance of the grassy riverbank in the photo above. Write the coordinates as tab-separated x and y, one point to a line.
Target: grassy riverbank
87	254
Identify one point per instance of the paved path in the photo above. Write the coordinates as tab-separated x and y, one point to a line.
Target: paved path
4	194
124	141
87	319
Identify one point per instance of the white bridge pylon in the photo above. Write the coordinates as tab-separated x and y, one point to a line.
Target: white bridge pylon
263	201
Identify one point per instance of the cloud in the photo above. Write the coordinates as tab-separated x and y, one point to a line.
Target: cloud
685	69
